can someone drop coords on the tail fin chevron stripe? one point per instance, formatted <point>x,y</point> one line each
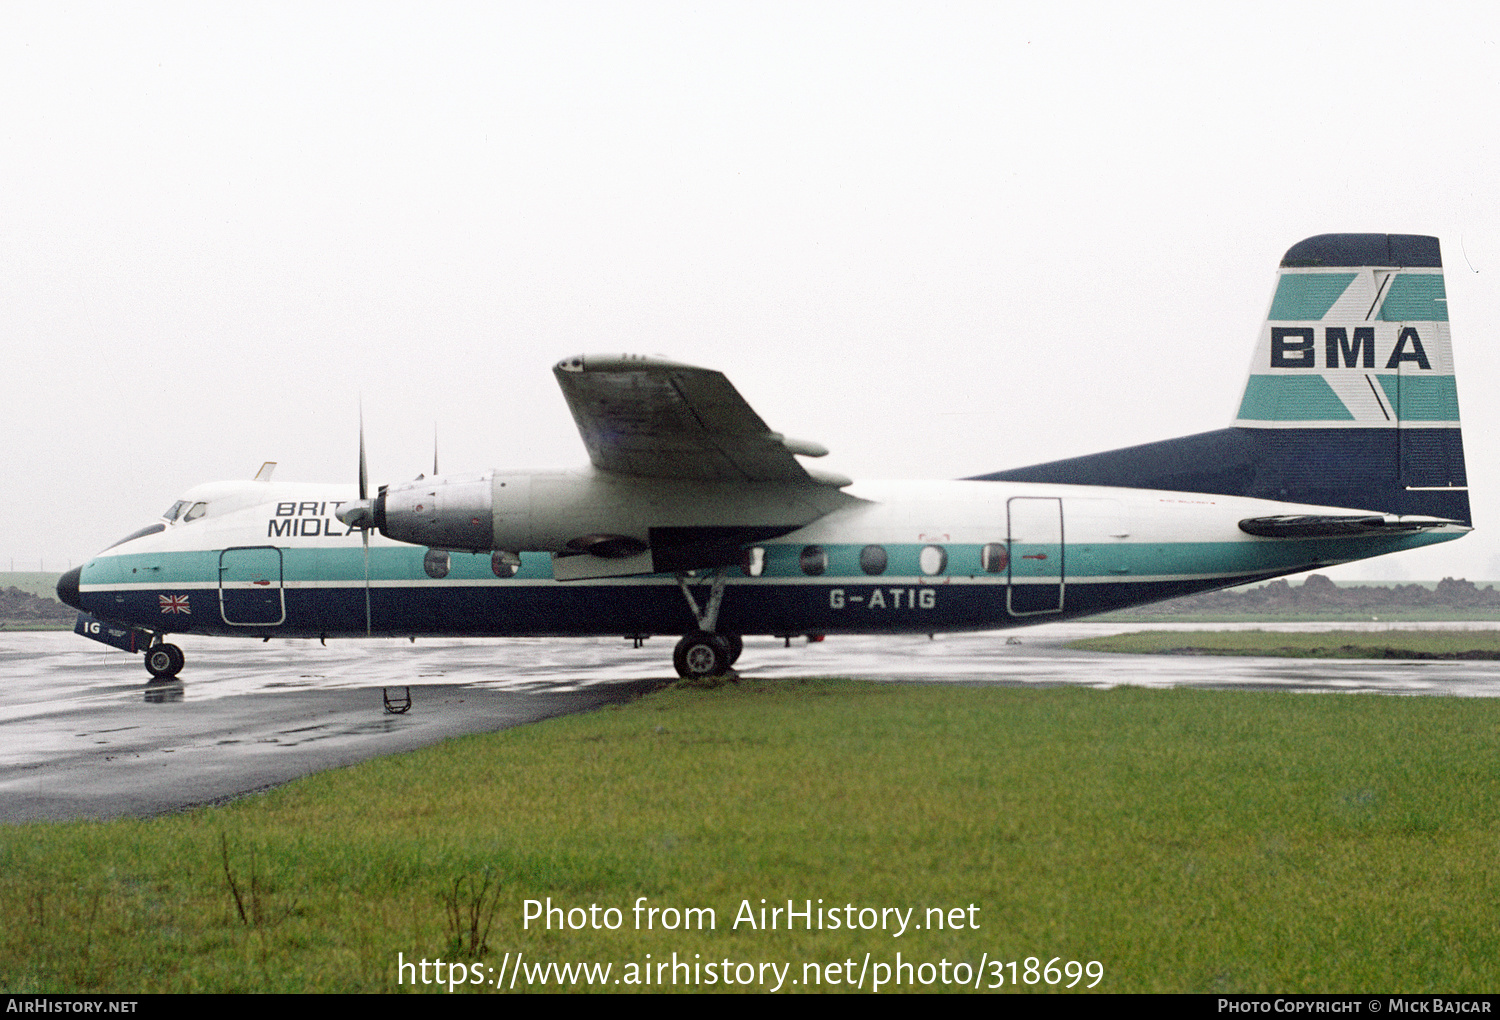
<point>1308,295</point>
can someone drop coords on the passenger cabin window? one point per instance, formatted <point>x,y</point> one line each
<point>994,557</point>
<point>754,561</point>
<point>435,563</point>
<point>814,560</point>
<point>873,560</point>
<point>934,560</point>
<point>505,563</point>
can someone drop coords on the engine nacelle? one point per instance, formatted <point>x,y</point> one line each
<point>547,512</point>
<point>452,512</point>
<point>596,514</point>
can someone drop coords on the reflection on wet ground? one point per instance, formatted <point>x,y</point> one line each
<point>83,735</point>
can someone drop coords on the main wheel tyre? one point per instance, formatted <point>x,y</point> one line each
<point>164,661</point>
<point>736,646</point>
<point>701,654</point>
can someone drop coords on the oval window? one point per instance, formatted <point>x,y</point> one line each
<point>872,559</point>
<point>753,562</point>
<point>813,560</point>
<point>435,563</point>
<point>934,559</point>
<point>504,563</point>
<point>994,557</point>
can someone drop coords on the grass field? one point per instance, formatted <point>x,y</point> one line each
<point>1332,644</point>
<point>1185,840</point>
<point>33,582</point>
<point>1388,614</point>
<point>37,583</point>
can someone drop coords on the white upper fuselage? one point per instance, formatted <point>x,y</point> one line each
<point>1065,549</point>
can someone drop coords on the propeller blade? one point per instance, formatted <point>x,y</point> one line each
<point>365,535</point>
<point>364,474</point>
<point>434,450</point>
<point>361,517</point>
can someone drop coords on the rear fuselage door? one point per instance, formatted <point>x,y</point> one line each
<point>1036,556</point>
<point>250,593</point>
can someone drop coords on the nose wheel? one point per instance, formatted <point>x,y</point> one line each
<point>163,661</point>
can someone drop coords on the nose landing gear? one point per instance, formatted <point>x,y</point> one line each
<point>164,661</point>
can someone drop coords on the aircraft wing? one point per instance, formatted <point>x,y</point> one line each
<point>661,419</point>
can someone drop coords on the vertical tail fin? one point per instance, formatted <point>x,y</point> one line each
<point>1357,337</point>
<point>1355,365</point>
<point>1351,400</point>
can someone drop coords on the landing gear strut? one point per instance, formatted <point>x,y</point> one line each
<point>164,661</point>
<point>705,653</point>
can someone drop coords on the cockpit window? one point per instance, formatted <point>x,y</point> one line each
<point>173,511</point>
<point>149,529</point>
<point>194,512</point>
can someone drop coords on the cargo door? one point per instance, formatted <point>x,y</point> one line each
<point>1037,572</point>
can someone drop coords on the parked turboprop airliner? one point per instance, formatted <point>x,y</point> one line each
<point>695,519</point>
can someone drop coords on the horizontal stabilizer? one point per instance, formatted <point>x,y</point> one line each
<point>1339,525</point>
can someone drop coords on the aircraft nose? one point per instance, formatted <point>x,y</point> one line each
<point>67,588</point>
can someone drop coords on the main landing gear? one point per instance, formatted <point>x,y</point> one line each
<point>164,661</point>
<point>703,652</point>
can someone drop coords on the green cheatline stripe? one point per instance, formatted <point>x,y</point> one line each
<point>1080,560</point>
<point>1415,297</point>
<point>1291,398</point>
<point>1304,296</point>
<point>1422,397</point>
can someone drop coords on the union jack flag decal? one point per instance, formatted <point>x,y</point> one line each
<point>175,604</point>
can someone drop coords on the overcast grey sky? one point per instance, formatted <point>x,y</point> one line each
<point>941,239</point>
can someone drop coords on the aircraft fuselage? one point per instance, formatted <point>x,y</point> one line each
<point>898,557</point>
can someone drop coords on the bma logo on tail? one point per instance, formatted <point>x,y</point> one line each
<point>1294,347</point>
<point>1362,346</point>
